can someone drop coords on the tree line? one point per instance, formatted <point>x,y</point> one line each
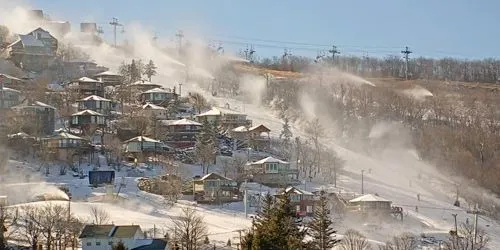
<point>449,69</point>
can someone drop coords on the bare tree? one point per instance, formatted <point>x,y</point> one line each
<point>315,131</point>
<point>198,101</point>
<point>354,240</point>
<point>30,230</point>
<point>99,215</point>
<point>234,168</point>
<point>189,230</point>
<point>8,218</point>
<point>464,240</point>
<point>405,241</point>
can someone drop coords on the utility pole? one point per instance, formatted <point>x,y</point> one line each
<point>476,212</point>
<point>286,55</point>
<point>155,38</point>
<point>180,89</point>
<point>115,23</point>
<point>334,51</point>
<point>456,227</point>
<point>362,182</point>
<point>2,96</point>
<point>180,36</point>
<point>407,53</point>
<point>245,199</point>
<point>100,31</point>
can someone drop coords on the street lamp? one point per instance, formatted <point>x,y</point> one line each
<point>362,182</point>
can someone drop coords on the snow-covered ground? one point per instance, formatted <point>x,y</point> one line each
<point>395,174</point>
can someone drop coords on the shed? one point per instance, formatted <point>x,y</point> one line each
<point>101,177</point>
<point>370,202</point>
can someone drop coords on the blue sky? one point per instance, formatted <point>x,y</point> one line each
<point>437,28</point>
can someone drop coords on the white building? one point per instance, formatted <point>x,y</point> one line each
<point>103,237</point>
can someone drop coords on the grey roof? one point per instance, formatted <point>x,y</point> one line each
<point>96,231</point>
<point>31,41</point>
<point>156,244</point>
<point>107,231</point>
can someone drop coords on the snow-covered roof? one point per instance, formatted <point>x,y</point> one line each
<point>219,111</point>
<point>157,90</point>
<point>142,82</point>
<point>269,159</point>
<point>245,129</point>
<point>86,79</point>
<point>108,73</point>
<point>9,90</point>
<point>240,129</point>
<point>11,77</point>
<point>41,104</point>
<point>183,122</point>
<point>297,191</point>
<point>35,104</point>
<point>214,176</point>
<point>67,135</point>
<point>369,197</point>
<point>152,106</point>
<point>258,126</point>
<point>95,98</point>
<point>142,139</point>
<point>87,112</point>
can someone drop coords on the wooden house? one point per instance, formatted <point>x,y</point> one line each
<point>158,96</point>
<point>109,78</point>
<point>9,97</point>
<point>303,201</point>
<point>87,86</point>
<point>42,115</point>
<point>9,81</point>
<point>272,172</point>
<point>215,189</point>
<point>104,237</point>
<point>142,86</point>
<point>224,117</point>
<point>151,110</point>
<point>96,103</point>
<point>181,133</point>
<point>64,145</point>
<point>140,147</point>
<point>370,203</point>
<point>255,137</point>
<point>34,51</point>
<point>87,118</point>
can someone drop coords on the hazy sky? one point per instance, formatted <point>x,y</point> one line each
<point>438,28</point>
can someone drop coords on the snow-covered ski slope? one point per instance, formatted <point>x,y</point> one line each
<point>395,174</point>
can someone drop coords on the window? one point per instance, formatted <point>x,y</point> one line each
<point>89,244</point>
<point>309,209</point>
<point>97,243</point>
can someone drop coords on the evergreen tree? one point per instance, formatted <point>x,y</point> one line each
<point>119,246</point>
<point>275,227</point>
<point>135,71</point>
<point>206,241</point>
<point>150,69</point>
<point>286,138</point>
<point>320,228</point>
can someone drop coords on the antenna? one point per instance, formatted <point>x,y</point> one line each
<point>115,23</point>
